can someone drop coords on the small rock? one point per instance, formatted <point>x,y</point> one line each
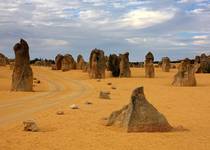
<point>34,78</point>
<point>98,80</point>
<point>88,103</point>
<point>60,113</point>
<point>114,88</point>
<point>74,106</point>
<point>104,95</point>
<point>38,81</point>
<point>30,125</point>
<point>109,83</point>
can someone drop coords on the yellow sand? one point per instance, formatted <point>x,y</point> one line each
<point>82,129</point>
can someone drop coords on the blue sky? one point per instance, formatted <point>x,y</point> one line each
<point>174,28</point>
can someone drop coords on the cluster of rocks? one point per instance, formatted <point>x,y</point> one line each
<point>185,75</point>
<point>119,65</point>
<point>202,63</point>
<point>43,63</point>
<point>66,62</point>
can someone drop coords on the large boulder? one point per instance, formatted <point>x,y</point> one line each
<point>22,77</point>
<point>114,65</point>
<point>68,63</point>
<point>124,65</point>
<point>58,61</point>
<point>185,75</point>
<point>166,65</point>
<point>149,67</point>
<point>80,62</point>
<point>97,64</point>
<point>139,116</point>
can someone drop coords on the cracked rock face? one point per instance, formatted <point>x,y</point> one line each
<point>185,75</point>
<point>139,116</point>
<point>22,77</point>
<point>97,64</point>
<point>149,67</point>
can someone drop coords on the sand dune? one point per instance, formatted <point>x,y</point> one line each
<point>83,129</point>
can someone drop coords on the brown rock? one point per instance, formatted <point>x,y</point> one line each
<point>60,112</point>
<point>104,95</point>
<point>185,75</point>
<point>80,62</point>
<point>149,67</point>
<point>114,65</point>
<point>22,77</point>
<point>97,64</point>
<point>166,65</point>
<point>124,65</point>
<point>139,116</point>
<point>58,62</point>
<point>30,125</point>
<point>68,63</point>
<point>3,60</point>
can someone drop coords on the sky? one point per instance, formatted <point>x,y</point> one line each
<point>173,28</point>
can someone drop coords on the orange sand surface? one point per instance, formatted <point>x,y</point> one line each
<point>83,129</point>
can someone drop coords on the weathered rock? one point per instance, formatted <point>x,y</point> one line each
<point>22,77</point>
<point>80,62</point>
<point>124,65</point>
<point>149,67</point>
<point>74,106</point>
<point>204,64</point>
<point>58,61</point>
<point>60,112</point>
<point>185,75</point>
<point>97,64</point>
<point>104,95</point>
<point>88,103</point>
<point>85,67</point>
<point>30,125</point>
<point>114,65</point>
<point>53,67</point>
<point>3,60</point>
<point>113,88</point>
<point>109,83</point>
<point>139,116</point>
<point>68,63</point>
<point>11,66</point>
<point>166,65</point>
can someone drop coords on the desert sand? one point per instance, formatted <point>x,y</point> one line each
<point>83,129</point>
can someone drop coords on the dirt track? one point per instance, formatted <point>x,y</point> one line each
<point>60,89</point>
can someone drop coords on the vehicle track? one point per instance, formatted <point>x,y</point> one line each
<point>57,94</point>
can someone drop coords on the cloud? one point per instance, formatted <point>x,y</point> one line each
<point>168,27</point>
<point>142,18</point>
<point>201,37</point>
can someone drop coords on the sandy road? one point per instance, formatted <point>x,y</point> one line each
<point>60,90</point>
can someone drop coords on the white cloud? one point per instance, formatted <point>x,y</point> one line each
<point>200,37</point>
<point>200,42</point>
<point>54,42</point>
<point>142,18</point>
